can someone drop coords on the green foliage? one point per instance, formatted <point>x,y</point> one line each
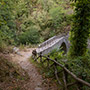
<point>47,16</point>
<point>1,45</point>
<point>57,16</point>
<point>7,25</point>
<point>56,54</point>
<point>80,67</point>
<point>18,16</point>
<point>30,36</point>
<point>80,28</point>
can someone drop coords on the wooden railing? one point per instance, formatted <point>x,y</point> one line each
<point>65,73</point>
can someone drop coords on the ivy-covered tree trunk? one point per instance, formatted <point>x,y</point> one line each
<point>80,28</point>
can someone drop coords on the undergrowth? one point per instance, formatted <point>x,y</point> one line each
<point>79,66</point>
<point>12,77</point>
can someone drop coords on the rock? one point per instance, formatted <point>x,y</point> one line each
<point>38,88</point>
<point>16,50</point>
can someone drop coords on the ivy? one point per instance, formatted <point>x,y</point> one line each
<point>80,28</point>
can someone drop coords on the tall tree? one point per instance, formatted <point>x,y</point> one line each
<point>80,28</point>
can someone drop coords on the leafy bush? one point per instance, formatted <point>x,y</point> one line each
<point>57,15</point>
<point>80,66</point>
<point>56,54</point>
<point>1,45</point>
<point>7,23</point>
<point>30,36</point>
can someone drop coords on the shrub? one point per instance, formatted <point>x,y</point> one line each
<point>80,66</point>
<point>30,36</point>
<point>1,45</point>
<point>57,16</point>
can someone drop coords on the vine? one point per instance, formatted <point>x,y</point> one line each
<point>80,28</point>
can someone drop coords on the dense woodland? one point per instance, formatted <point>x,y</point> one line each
<point>31,22</point>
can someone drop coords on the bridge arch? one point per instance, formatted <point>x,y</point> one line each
<point>63,47</point>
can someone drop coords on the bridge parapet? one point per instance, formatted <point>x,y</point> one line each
<point>47,42</point>
<point>53,43</point>
<point>51,40</point>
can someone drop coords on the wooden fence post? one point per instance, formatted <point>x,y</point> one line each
<point>56,73</point>
<point>80,85</point>
<point>41,57</point>
<point>66,74</point>
<point>64,80</point>
<point>34,54</point>
<point>48,61</point>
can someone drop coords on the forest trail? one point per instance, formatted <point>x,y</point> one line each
<point>36,80</point>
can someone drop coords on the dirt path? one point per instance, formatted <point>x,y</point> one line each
<point>36,80</point>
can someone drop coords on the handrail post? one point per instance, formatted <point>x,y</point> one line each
<point>80,85</point>
<point>66,74</point>
<point>65,77</point>
<point>64,80</point>
<point>34,54</point>
<point>56,73</point>
<point>48,62</point>
<point>41,57</point>
<point>55,60</point>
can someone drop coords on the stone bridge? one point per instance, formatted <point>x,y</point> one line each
<point>55,42</point>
